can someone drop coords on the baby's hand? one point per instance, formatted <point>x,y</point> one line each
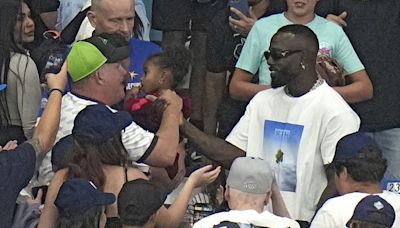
<point>204,175</point>
<point>132,93</point>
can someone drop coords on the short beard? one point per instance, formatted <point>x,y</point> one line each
<point>255,2</point>
<point>280,80</point>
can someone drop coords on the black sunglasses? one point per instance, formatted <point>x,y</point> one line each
<point>279,54</point>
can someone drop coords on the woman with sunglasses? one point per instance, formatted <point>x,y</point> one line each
<point>20,101</point>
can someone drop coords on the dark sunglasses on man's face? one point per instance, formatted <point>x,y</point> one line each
<point>279,54</point>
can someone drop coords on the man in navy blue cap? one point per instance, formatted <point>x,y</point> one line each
<point>372,211</point>
<point>359,169</point>
<point>81,204</point>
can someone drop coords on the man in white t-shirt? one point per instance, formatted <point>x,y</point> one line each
<point>359,168</point>
<point>98,67</point>
<point>295,126</point>
<point>333,42</point>
<point>249,187</point>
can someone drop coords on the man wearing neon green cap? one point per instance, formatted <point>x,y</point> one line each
<point>98,67</point>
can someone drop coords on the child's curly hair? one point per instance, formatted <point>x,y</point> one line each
<point>175,58</point>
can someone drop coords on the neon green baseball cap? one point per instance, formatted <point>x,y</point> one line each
<point>89,55</point>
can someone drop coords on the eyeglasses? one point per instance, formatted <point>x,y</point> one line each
<point>279,54</point>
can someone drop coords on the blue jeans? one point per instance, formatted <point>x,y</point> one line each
<point>389,142</point>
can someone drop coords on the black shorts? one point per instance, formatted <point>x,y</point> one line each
<point>183,15</point>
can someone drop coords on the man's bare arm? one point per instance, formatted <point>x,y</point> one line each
<point>241,87</point>
<point>46,131</point>
<point>165,150</point>
<point>330,190</point>
<point>278,205</point>
<point>215,149</point>
<point>359,89</point>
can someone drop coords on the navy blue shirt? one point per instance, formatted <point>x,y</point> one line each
<point>16,169</point>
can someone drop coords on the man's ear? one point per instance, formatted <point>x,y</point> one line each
<point>99,77</point>
<point>92,18</point>
<point>153,217</point>
<point>166,76</point>
<point>345,173</point>
<point>267,197</point>
<point>226,193</point>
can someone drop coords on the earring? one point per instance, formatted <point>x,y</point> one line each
<point>302,66</point>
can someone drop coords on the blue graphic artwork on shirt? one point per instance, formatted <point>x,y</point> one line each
<point>281,146</point>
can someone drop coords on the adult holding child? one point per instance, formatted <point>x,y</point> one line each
<point>99,70</point>
<point>98,155</point>
<point>162,71</point>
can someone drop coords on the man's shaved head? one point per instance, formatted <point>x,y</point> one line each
<point>113,16</point>
<point>302,34</point>
<point>96,4</point>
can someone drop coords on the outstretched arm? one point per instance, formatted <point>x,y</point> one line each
<point>214,148</point>
<point>330,189</point>
<point>173,216</point>
<point>47,128</point>
<point>278,205</point>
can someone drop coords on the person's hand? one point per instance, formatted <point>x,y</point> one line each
<point>59,80</point>
<point>10,145</point>
<point>219,196</point>
<point>37,200</point>
<point>244,24</point>
<point>132,93</point>
<point>204,175</point>
<point>171,99</point>
<point>340,20</point>
<point>330,70</point>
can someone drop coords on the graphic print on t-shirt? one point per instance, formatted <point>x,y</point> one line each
<point>325,49</point>
<point>281,147</point>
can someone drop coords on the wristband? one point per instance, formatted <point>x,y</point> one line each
<point>56,89</point>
